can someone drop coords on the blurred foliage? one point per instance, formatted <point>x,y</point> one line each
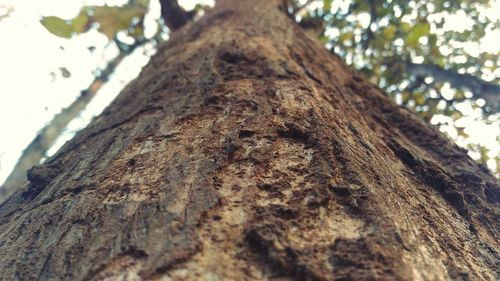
<point>379,38</point>
<point>108,19</point>
<point>382,38</point>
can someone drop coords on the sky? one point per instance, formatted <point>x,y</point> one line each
<point>33,89</point>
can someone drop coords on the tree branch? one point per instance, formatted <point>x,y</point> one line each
<point>174,15</point>
<point>373,18</point>
<point>480,88</point>
<point>46,137</point>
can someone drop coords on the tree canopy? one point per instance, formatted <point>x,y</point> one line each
<point>432,57</point>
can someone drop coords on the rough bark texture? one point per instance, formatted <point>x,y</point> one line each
<point>246,151</point>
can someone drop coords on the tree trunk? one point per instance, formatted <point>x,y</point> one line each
<point>246,151</point>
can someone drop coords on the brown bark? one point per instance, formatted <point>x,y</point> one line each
<point>246,151</point>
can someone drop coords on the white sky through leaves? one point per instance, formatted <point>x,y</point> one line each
<point>33,89</point>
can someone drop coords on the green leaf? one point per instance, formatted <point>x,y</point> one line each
<point>57,26</point>
<point>137,31</point>
<point>405,27</point>
<point>143,3</point>
<point>419,30</point>
<point>346,36</point>
<point>389,32</point>
<point>459,95</point>
<point>419,98</point>
<point>113,19</point>
<point>81,22</point>
<point>405,96</point>
<point>327,5</point>
<point>484,153</point>
<point>461,132</point>
<point>456,115</point>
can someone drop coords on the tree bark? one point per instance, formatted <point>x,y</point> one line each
<point>246,151</point>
